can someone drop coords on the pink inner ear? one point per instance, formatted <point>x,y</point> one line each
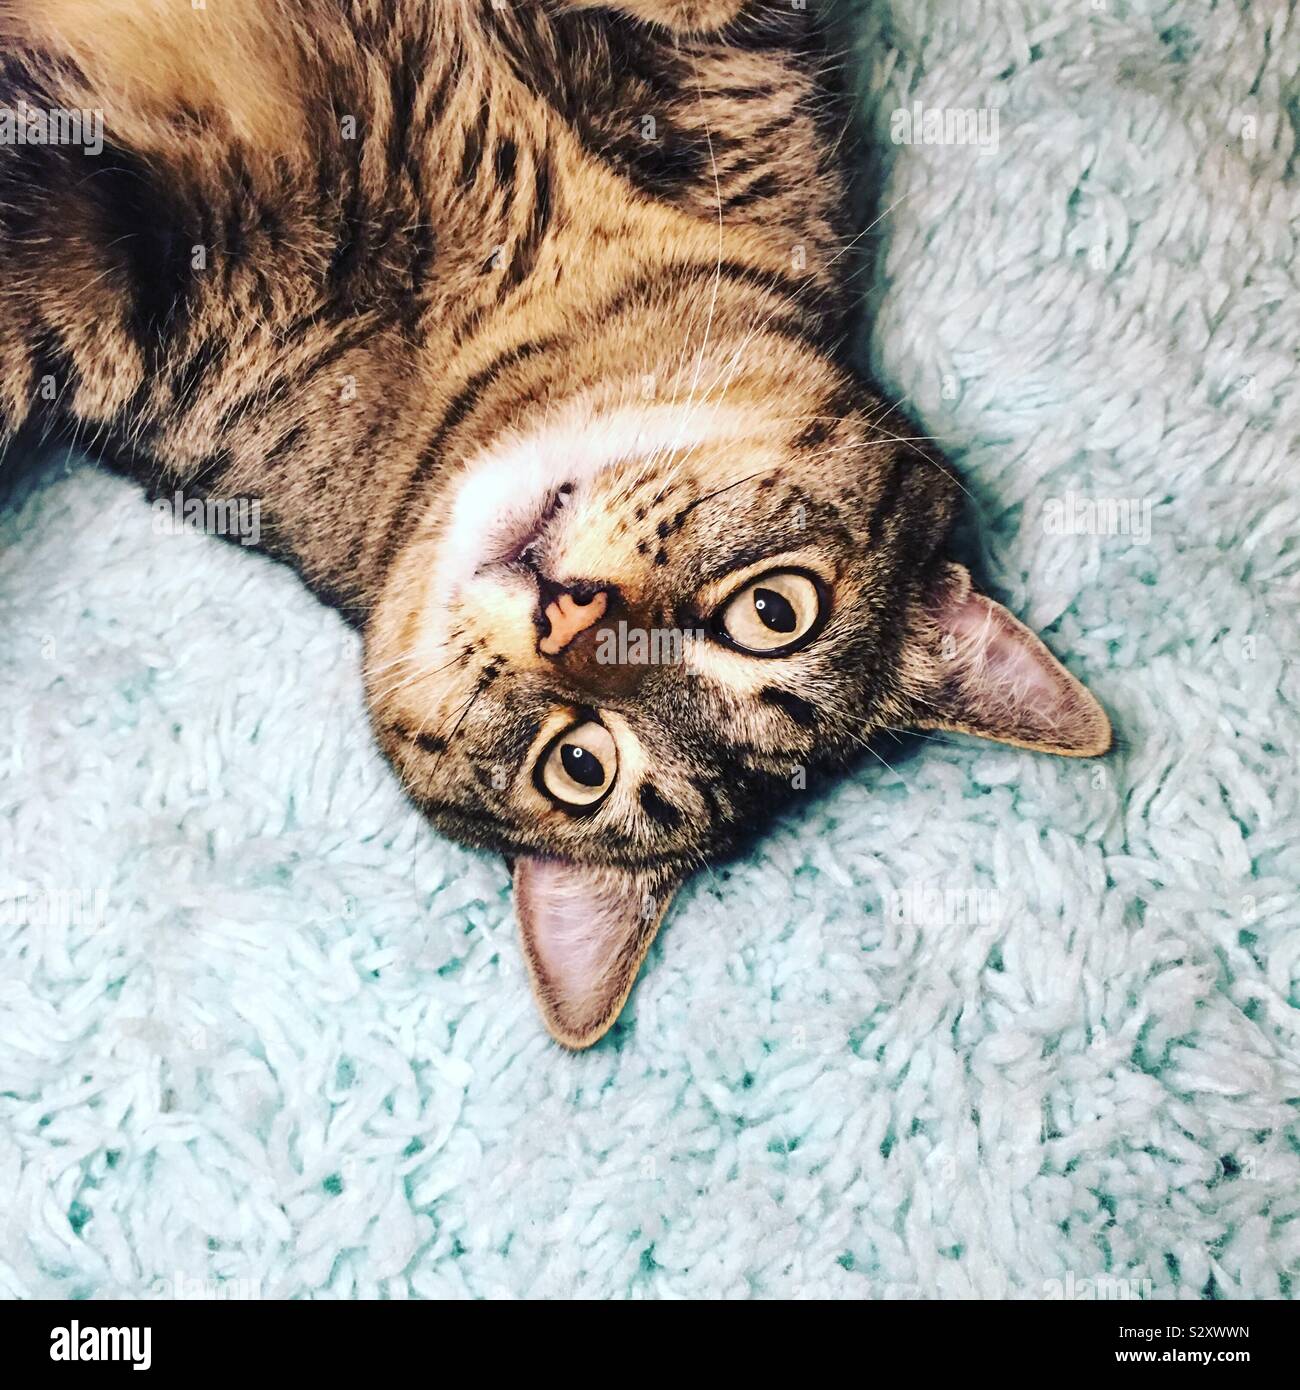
<point>1002,659</point>
<point>998,680</point>
<point>578,921</point>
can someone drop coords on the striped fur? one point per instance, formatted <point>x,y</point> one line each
<point>360,259</point>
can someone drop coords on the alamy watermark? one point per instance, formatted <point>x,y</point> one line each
<point>181,1288</point>
<point>945,125</point>
<point>1078,515</point>
<point>929,905</point>
<point>1102,1288</point>
<point>639,646</point>
<point>238,517</point>
<point>58,125</point>
<point>53,907</point>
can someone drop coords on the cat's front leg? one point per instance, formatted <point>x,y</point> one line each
<point>681,16</point>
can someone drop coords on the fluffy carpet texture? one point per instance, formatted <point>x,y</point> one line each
<point>981,1023</point>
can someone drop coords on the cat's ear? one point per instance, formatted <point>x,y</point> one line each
<point>585,932</point>
<point>970,667</point>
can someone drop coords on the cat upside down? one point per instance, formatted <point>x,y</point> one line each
<point>523,326</point>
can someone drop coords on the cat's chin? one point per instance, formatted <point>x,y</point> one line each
<point>517,536</point>
<point>509,491</point>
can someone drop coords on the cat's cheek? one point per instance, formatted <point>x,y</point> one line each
<point>494,611</point>
<point>501,614</point>
<point>591,547</point>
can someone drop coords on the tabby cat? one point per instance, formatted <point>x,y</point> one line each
<point>523,321</point>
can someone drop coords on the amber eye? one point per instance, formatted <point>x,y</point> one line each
<point>579,767</point>
<point>773,614</point>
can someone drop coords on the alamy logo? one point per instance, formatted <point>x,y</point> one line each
<point>945,125</point>
<point>924,905</point>
<point>1077,515</point>
<point>639,646</point>
<point>77,1343</point>
<point>181,1287</point>
<point>53,907</point>
<point>240,517</point>
<point>29,125</point>
<point>1104,1288</point>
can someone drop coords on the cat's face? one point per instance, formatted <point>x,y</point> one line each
<point>628,632</point>
<point>728,587</point>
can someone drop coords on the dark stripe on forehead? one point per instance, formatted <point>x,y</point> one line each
<point>888,501</point>
<point>472,152</point>
<point>507,153</point>
<point>763,186</point>
<point>523,256</point>
<point>290,373</point>
<point>461,404</point>
<point>352,235</point>
<point>403,82</point>
<point>140,224</point>
<point>188,380</point>
<point>803,295</point>
<point>436,101</point>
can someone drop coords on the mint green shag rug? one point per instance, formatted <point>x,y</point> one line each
<point>977,1024</point>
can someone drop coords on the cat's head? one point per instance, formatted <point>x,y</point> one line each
<point>628,627</point>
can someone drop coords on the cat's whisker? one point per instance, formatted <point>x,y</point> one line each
<point>916,733</point>
<point>881,439</point>
<point>761,324</point>
<point>372,671</point>
<point>481,685</point>
<point>720,383</point>
<point>854,241</point>
<point>383,696</point>
<point>904,439</point>
<point>717,492</point>
<point>420,673</point>
<point>869,747</point>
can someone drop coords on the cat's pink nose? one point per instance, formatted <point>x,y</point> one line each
<point>567,618</point>
<point>581,635</point>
